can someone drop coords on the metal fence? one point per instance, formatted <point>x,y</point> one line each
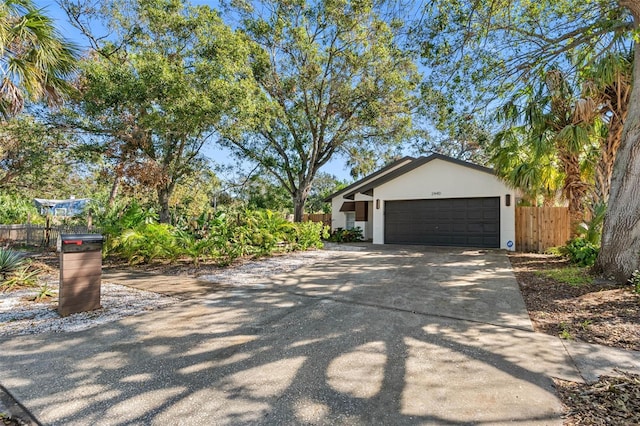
<point>40,235</point>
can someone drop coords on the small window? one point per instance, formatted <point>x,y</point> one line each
<point>351,220</point>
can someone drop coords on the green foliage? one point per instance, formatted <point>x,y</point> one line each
<point>591,231</point>
<point>34,157</point>
<point>565,331</point>
<point>635,281</point>
<point>221,237</point>
<point>145,243</point>
<point>44,292</point>
<point>310,235</point>
<point>174,75</point>
<point>581,252</point>
<point>574,276</point>
<point>10,261</point>
<point>35,58</point>
<point>15,209</point>
<point>25,275</point>
<point>126,214</point>
<point>337,77</point>
<point>346,235</point>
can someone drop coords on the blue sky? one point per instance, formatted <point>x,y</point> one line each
<point>212,150</point>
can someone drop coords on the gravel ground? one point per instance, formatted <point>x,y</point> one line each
<point>255,271</point>
<point>19,314</point>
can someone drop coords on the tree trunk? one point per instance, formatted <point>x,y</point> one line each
<point>299,200</point>
<point>620,247</point>
<point>574,189</point>
<point>115,187</point>
<point>164,193</point>
<point>610,146</point>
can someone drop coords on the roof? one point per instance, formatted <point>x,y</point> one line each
<point>417,162</point>
<point>365,179</point>
<point>73,206</point>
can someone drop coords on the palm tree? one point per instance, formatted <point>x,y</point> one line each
<point>533,172</point>
<point>551,132</point>
<point>608,84</point>
<point>35,60</point>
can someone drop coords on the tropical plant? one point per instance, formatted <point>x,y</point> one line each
<point>44,292</point>
<point>36,60</point>
<point>24,276</point>
<point>591,230</point>
<point>581,252</point>
<point>346,235</point>
<point>310,235</point>
<point>145,243</point>
<point>556,131</point>
<point>10,261</point>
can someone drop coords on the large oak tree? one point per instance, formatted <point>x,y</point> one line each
<point>336,79</point>
<point>159,87</point>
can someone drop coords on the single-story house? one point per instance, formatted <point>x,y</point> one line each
<point>62,208</point>
<point>435,200</point>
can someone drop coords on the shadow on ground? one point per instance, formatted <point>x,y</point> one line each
<point>404,336</point>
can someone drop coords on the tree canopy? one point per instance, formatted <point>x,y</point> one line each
<point>173,77</point>
<point>500,48</point>
<point>335,78</point>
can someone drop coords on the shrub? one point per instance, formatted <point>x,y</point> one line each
<point>264,231</point>
<point>581,252</point>
<point>310,234</point>
<point>10,261</point>
<point>346,235</point>
<point>26,275</point>
<point>14,209</point>
<point>145,243</point>
<point>591,231</point>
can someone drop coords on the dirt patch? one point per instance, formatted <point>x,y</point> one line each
<point>602,312</point>
<point>610,401</point>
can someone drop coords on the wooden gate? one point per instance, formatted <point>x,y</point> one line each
<point>539,228</point>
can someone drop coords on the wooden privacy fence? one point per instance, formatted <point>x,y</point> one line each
<point>39,235</point>
<point>538,228</point>
<point>318,217</point>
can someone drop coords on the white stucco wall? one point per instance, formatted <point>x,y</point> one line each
<point>443,179</point>
<point>338,218</point>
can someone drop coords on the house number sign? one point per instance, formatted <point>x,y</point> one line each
<point>436,193</point>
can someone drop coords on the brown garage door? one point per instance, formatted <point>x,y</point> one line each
<point>461,222</point>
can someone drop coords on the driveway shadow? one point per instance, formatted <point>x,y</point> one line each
<point>322,345</point>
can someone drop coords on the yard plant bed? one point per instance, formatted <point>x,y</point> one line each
<point>610,401</point>
<point>599,312</point>
<point>566,301</point>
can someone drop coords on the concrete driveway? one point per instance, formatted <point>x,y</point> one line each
<point>400,335</point>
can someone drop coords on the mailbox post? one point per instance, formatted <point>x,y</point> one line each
<point>80,273</point>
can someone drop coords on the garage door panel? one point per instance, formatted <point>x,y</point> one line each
<point>471,222</point>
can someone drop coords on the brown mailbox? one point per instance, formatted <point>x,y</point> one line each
<point>80,272</point>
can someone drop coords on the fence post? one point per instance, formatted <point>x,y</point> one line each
<point>47,231</point>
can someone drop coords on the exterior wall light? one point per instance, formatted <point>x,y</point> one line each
<point>507,200</point>
<point>377,204</point>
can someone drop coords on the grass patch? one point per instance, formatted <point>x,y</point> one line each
<point>575,276</point>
